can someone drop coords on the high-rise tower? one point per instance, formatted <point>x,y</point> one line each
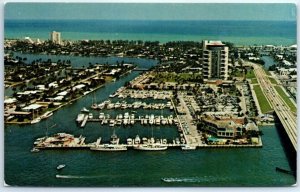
<point>56,37</point>
<point>215,60</point>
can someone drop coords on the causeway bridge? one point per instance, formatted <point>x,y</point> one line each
<point>284,113</point>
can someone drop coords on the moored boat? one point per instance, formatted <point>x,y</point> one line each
<point>188,147</point>
<point>85,110</point>
<point>34,150</point>
<point>95,106</point>
<point>150,147</point>
<point>109,147</point>
<point>46,115</point>
<point>36,120</point>
<point>80,117</point>
<point>60,140</point>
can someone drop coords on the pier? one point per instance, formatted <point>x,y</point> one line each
<point>84,121</point>
<point>133,146</point>
<point>128,119</point>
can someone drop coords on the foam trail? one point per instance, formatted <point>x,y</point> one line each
<point>76,176</point>
<point>185,179</point>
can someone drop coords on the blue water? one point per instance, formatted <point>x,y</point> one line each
<point>238,32</point>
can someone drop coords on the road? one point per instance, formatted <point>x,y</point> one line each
<point>284,113</point>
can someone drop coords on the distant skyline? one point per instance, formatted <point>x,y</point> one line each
<point>150,11</point>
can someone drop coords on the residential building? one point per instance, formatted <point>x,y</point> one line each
<point>215,60</point>
<point>56,37</point>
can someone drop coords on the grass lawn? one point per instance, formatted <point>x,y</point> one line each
<point>285,98</point>
<point>250,74</point>
<point>238,73</point>
<point>262,100</point>
<point>254,81</point>
<point>273,81</point>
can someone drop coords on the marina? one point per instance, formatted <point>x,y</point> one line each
<point>135,105</point>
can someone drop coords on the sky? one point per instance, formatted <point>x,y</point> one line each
<point>146,11</point>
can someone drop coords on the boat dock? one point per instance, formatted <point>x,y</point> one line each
<point>133,146</point>
<point>135,105</point>
<point>126,119</point>
<point>67,141</point>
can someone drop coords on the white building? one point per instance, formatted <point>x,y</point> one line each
<point>56,37</point>
<point>215,60</point>
<point>29,40</point>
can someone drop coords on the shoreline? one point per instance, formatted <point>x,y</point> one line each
<point>161,40</point>
<point>57,108</point>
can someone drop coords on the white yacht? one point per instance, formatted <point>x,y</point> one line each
<point>85,110</point>
<point>36,120</point>
<point>47,114</point>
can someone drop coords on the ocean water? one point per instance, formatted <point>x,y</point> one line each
<point>238,32</point>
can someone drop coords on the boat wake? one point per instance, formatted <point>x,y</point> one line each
<point>77,176</point>
<point>185,180</point>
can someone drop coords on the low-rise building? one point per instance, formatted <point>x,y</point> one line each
<point>223,128</point>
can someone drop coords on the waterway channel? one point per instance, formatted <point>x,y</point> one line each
<point>202,167</point>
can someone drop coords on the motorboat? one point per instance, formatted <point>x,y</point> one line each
<point>188,147</point>
<point>85,110</point>
<point>36,120</point>
<point>137,139</point>
<point>47,114</point>
<point>59,167</point>
<point>34,150</point>
<point>109,147</point>
<point>80,117</point>
<point>150,147</point>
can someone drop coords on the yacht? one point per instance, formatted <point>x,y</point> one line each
<point>188,147</point>
<point>137,139</point>
<point>34,150</point>
<point>85,110</point>
<point>114,139</point>
<point>151,146</point>
<point>36,120</point>
<point>80,117</point>
<point>113,146</point>
<point>112,123</point>
<point>109,147</point>
<point>101,105</point>
<point>46,115</point>
<point>101,116</point>
<point>163,121</point>
<point>129,141</point>
<point>95,106</point>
